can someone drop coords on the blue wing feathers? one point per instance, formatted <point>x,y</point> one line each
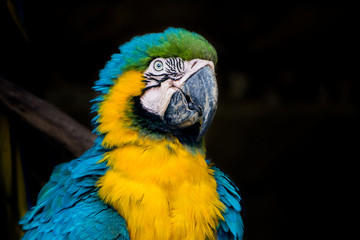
<point>232,227</point>
<point>68,206</point>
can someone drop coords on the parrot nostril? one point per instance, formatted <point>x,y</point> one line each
<point>192,105</point>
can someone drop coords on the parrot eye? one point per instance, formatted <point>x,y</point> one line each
<point>158,65</point>
<point>162,69</point>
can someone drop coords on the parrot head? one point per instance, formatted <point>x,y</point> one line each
<point>160,85</point>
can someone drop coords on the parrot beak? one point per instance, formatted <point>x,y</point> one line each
<point>196,100</point>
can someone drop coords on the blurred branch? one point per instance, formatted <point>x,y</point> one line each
<point>46,118</point>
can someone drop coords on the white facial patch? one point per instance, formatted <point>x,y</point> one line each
<point>164,77</point>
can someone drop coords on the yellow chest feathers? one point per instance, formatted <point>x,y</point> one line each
<point>162,191</point>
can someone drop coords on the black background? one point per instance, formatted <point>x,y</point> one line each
<point>287,127</point>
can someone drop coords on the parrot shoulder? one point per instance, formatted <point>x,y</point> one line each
<point>232,227</point>
<point>68,206</point>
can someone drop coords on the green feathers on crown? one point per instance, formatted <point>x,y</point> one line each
<point>141,50</point>
<point>174,42</point>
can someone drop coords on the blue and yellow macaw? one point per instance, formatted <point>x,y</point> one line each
<point>146,176</point>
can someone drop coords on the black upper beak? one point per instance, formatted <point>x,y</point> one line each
<point>195,101</point>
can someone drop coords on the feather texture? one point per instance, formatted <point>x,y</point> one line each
<point>69,207</point>
<point>162,193</point>
<point>232,227</point>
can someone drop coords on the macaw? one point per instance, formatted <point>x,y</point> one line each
<point>146,176</point>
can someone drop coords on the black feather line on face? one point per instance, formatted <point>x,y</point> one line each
<point>153,125</point>
<point>151,76</point>
<point>174,65</point>
<point>150,87</point>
